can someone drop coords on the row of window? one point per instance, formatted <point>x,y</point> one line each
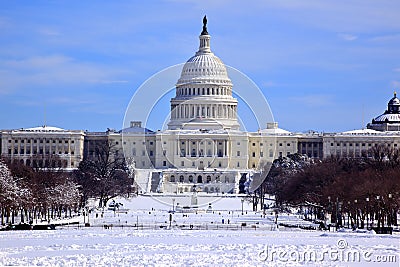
<point>359,144</point>
<point>35,152</point>
<point>203,91</point>
<point>41,141</point>
<point>199,179</point>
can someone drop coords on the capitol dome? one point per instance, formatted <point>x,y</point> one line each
<point>203,97</point>
<point>204,68</point>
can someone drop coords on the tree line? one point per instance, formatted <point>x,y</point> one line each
<point>33,193</point>
<point>359,191</point>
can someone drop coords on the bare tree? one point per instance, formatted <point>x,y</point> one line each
<point>104,176</point>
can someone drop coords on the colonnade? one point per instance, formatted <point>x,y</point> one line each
<point>188,111</point>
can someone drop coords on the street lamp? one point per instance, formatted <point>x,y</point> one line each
<point>355,202</point>
<point>173,204</point>
<point>242,200</point>
<point>390,210</point>
<point>367,200</point>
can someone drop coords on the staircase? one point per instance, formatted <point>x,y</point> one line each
<point>155,181</point>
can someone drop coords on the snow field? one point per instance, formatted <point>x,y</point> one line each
<point>159,245</point>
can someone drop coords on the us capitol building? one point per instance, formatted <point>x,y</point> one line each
<point>203,149</point>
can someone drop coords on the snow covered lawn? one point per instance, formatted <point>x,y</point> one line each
<point>140,236</point>
<point>129,247</point>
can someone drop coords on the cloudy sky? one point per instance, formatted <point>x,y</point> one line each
<point>322,65</point>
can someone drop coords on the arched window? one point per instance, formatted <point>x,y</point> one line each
<point>190,178</point>
<point>181,179</point>
<point>199,179</point>
<point>172,179</point>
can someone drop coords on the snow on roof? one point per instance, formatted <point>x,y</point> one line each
<point>277,131</point>
<point>362,132</point>
<point>44,129</point>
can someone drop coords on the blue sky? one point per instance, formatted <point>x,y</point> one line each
<point>322,65</point>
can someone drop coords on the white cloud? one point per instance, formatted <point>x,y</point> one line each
<point>347,36</point>
<point>313,100</point>
<point>395,84</point>
<point>56,70</point>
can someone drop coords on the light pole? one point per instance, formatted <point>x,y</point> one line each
<point>173,204</point>
<point>367,200</point>
<point>390,210</point>
<point>355,206</point>
<point>378,212</point>
<point>242,200</point>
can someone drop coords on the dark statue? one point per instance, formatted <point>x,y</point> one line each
<point>204,32</point>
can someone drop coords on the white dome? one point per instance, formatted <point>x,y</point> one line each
<point>203,97</point>
<point>388,118</point>
<point>204,68</point>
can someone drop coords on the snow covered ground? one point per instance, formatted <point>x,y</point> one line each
<point>143,237</point>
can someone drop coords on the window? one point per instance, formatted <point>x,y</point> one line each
<point>238,164</point>
<point>151,153</point>
<point>182,163</point>
<point>151,143</point>
<point>238,143</point>
<point>280,144</point>
<point>288,144</point>
<point>172,179</point>
<point>261,154</point>
<point>254,144</point>
<point>165,164</point>
<point>254,154</point>
<point>238,153</point>
<point>181,178</point>
<point>261,144</point>
<point>331,144</point>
